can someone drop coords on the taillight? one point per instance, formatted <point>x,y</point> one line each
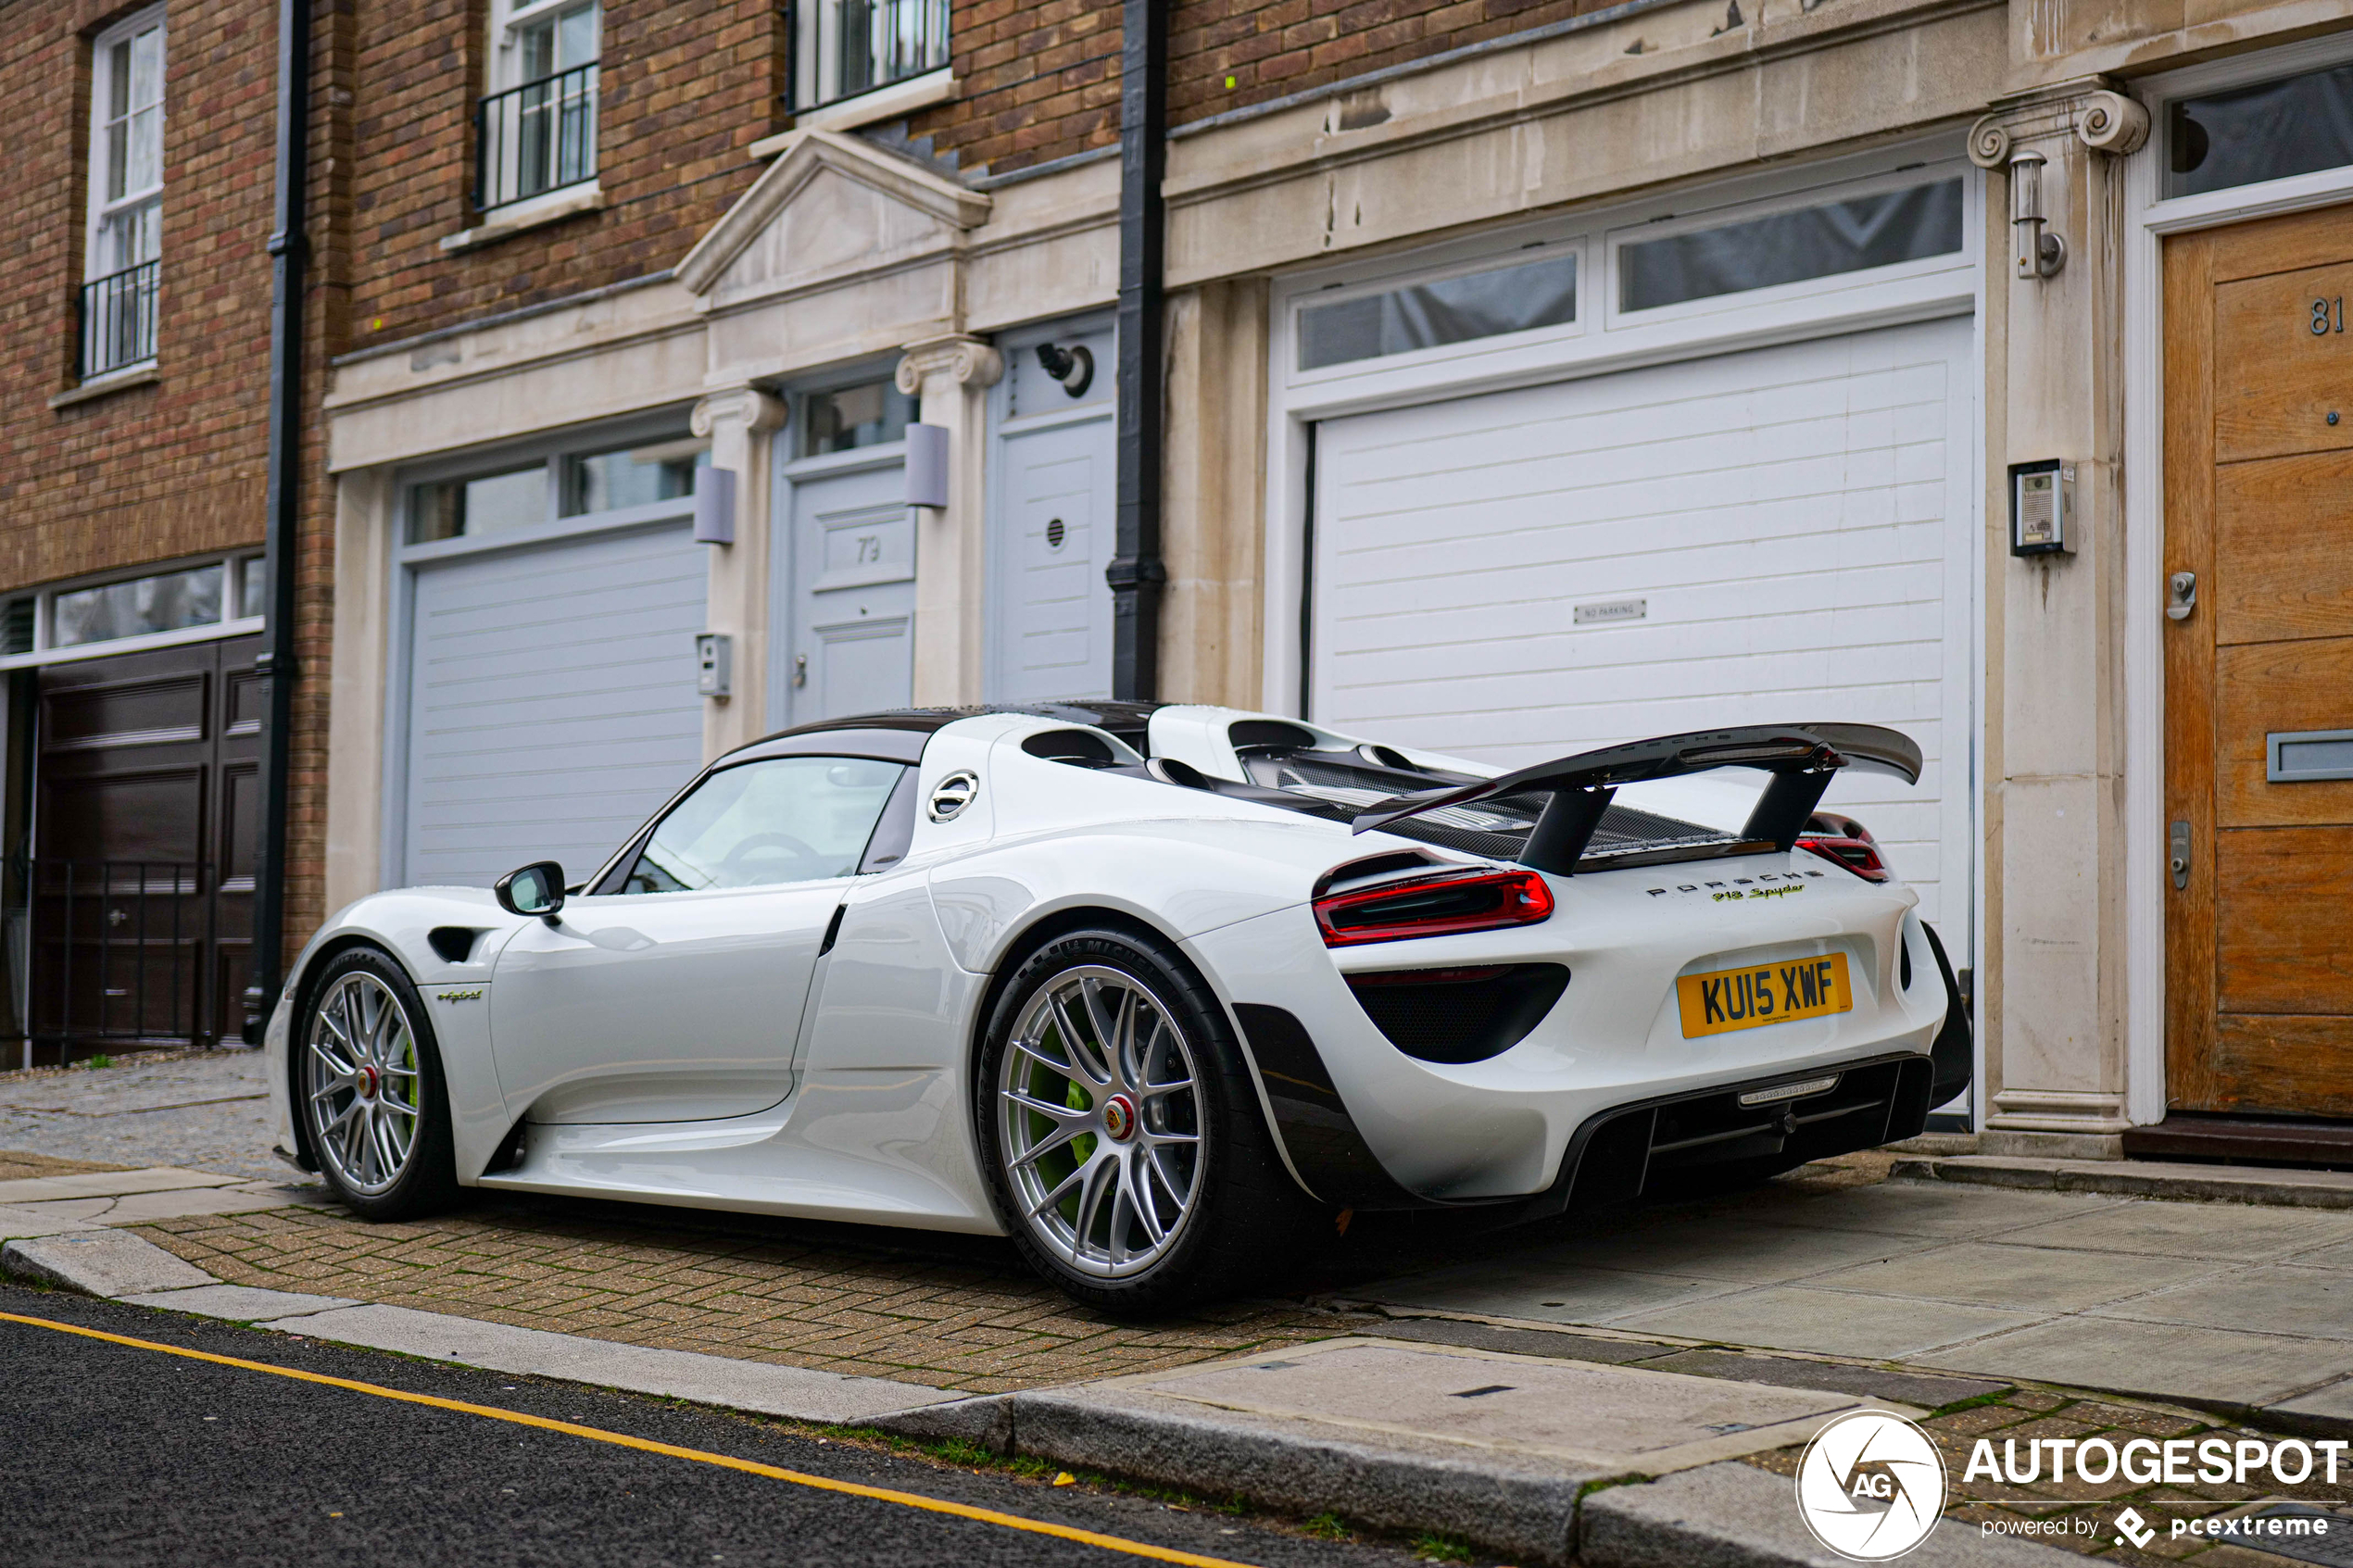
<point>1433,906</point>
<point>1843,840</point>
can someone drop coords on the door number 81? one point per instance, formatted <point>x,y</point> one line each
<point>2328,315</point>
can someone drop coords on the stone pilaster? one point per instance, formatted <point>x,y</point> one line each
<point>2053,988</point>
<point>951,376</point>
<point>739,421</point>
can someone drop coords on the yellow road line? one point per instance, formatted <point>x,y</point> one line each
<point>646,1445</point>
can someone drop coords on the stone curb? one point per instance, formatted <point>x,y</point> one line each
<point>2134,1178</point>
<point>119,1266</point>
<point>1734,1515</point>
<point>100,1263</point>
<point>1527,1513</point>
<point>1723,1515</point>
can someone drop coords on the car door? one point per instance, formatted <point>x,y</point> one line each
<point>678,996</point>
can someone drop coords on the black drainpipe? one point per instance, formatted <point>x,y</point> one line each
<point>1136,572</point>
<point>283,500</point>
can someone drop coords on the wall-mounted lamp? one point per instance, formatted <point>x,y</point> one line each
<point>2038,252</point>
<point>1075,368</point>
<point>715,507</point>
<point>926,469</point>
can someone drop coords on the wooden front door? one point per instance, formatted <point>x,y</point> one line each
<point>2259,446</point>
<point>147,809</point>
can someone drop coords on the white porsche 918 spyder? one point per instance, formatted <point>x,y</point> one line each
<point>1147,988</point>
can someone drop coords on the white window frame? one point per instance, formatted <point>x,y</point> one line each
<point>2149,217</point>
<point>817,36</point>
<point>99,209</point>
<point>508,21</point>
<point>237,619</point>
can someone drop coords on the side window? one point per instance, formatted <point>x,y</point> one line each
<point>787,819</point>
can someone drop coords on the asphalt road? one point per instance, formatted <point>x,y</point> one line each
<point>120,1455</point>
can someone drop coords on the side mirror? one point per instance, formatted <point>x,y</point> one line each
<point>536,889</point>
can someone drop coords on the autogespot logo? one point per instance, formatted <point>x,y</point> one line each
<point>1870,1486</point>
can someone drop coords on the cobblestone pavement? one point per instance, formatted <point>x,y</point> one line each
<point>2081,1516</point>
<point>947,1311</point>
<point>206,1111</point>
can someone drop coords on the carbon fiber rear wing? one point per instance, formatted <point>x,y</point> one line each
<point>1801,757</point>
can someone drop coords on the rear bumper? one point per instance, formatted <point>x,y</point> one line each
<point>1382,1128</point>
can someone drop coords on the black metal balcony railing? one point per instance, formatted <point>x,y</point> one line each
<point>880,41</point>
<point>118,320</point>
<point>535,138</point>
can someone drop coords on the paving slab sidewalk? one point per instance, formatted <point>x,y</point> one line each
<point>2228,1306</point>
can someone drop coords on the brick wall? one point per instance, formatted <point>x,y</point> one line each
<point>1037,83</point>
<point>174,468</point>
<point>1228,54</point>
<point>1041,81</point>
<point>685,90</point>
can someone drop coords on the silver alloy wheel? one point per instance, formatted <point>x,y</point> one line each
<point>363,1088</point>
<point>1101,1116</point>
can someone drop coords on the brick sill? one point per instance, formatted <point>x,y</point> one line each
<point>101,386</point>
<point>537,212</point>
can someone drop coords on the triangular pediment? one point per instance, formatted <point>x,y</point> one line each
<point>831,206</point>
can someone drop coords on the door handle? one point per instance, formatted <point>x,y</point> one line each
<point>801,669</point>
<point>2177,854</point>
<point>2180,596</point>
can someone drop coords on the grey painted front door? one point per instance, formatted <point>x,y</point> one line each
<point>551,701</point>
<point>849,543</point>
<point>1052,537</point>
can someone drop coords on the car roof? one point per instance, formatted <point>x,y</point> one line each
<point>898,735</point>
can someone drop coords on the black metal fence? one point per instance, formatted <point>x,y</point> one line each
<point>114,953</point>
<point>535,138</point>
<point>118,320</point>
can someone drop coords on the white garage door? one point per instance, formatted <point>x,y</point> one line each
<point>1769,536</point>
<point>551,701</point>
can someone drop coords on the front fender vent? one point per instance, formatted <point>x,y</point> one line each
<point>1459,1015</point>
<point>451,943</point>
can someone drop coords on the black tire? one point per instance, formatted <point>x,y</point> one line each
<point>397,1080</point>
<point>1246,1216</point>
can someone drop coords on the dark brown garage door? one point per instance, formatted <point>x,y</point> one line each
<point>147,775</point>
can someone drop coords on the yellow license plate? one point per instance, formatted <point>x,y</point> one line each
<point>1768,993</point>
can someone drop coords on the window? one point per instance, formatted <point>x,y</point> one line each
<point>633,476</point>
<point>516,495</point>
<point>449,508</point>
<point>869,414</point>
<point>1788,247</point>
<point>787,818</point>
<point>1507,299</point>
<point>846,48</point>
<point>2268,131</point>
<point>537,132</point>
<point>190,597</point>
<point>125,238</point>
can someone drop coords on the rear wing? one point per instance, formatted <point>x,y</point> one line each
<point>1801,757</point>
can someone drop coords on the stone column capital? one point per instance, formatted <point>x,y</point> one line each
<point>755,411</point>
<point>2088,110</point>
<point>973,361</point>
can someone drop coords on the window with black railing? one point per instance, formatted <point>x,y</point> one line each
<point>118,320</point>
<point>535,138</point>
<point>846,47</point>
